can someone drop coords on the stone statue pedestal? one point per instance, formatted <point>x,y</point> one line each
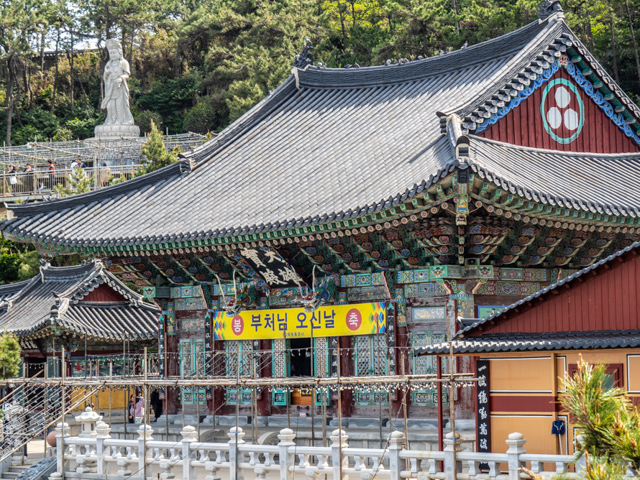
<point>116,132</point>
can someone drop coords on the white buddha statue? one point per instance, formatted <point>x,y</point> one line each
<point>119,121</point>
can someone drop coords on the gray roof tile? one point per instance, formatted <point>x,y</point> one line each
<point>345,142</point>
<point>25,307</point>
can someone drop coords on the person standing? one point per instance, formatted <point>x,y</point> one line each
<point>52,173</point>
<point>132,409</point>
<point>30,177</point>
<point>156,404</point>
<point>140,409</point>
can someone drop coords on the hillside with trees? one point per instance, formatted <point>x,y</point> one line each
<point>198,65</point>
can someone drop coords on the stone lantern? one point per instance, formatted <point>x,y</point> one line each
<point>88,420</point>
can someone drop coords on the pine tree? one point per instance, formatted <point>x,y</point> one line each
<point>77,182</point>
<point>156,153</point>
<point>9,355</point>
<point>609,423</point>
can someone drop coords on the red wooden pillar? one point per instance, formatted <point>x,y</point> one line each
<point>219,370</point>
<point>401,354</point>
<point>346,370</point>
<point>440,406</point>
<point>172,396</point>
<point>264,399</point>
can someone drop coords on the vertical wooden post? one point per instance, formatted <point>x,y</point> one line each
<point>440,406</point>
<point>145,415</point>
<point>554,372</point>
<point>64,407</point>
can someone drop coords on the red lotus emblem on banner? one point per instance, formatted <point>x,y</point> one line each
<point>354,319</point>
<point>237,325</point>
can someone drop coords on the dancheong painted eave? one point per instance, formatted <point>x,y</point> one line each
<point>341,148</point>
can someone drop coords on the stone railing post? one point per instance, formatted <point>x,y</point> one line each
<point>338,460</point>
<point>61,446</point>
<point>102,433</point>
<point>451,445</point>
<point>516,443</point>
<point>236,436</point>
<point>189,435</point>
<point>287,458</point>
<point>144,436</point>
<point>396,443</point>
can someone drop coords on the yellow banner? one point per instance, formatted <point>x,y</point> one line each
<point>329,321</point>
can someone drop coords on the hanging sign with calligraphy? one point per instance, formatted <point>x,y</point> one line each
<point>482,420</point>
<point>274,269</point>
<point>335,320</point>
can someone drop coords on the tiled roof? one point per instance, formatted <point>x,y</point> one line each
<point>523,342</point>
<point>566,179</point>
<point>54,297</point>
<point>326,145</point>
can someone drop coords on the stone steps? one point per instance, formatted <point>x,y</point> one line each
<point>14,471</point>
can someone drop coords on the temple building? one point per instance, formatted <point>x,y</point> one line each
<point>101,323</point>
<point>591,315</point>
<point>365,210</point>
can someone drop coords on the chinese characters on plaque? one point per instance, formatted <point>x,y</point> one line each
<point>274,269</point>
<point>482,420</point>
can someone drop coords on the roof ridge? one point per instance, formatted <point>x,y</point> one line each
<point>375,75</point>
<point>476,114</point>
<point>11,286</point>
<point>521,72</point>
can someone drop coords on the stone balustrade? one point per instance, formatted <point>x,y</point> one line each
<point>95,455</point>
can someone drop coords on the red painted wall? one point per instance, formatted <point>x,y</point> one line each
<point>104,293</point>
<point>524,125</point>
<point>607,300</point>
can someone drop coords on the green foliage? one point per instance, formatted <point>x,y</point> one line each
<point>145,118</point>
<point>77,182</point>
<point>63,134</point>
<point>17,262</point>
<point>28,265</point>
<point>200,65</point>
<point>155,151</point>
<point>9,355</point>
<point>608,422</point>
<point>170,98</point>
<point>83,128</point>
<point>200,119</point>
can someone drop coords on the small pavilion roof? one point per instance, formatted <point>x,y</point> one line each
<point>55,297</point>
<point>336,144</point>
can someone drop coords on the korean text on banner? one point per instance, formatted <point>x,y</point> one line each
<point>329,321</point>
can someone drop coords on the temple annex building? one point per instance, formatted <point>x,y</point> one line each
<point>366,210</point>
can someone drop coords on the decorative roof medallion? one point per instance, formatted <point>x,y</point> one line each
<point>562,110</point>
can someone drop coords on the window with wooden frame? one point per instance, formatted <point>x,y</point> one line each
<point>613,375</point>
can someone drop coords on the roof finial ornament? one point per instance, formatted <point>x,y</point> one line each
<point>305,57</point>
<point>302,60</point>
<point>548,8</point>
